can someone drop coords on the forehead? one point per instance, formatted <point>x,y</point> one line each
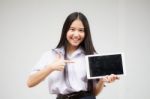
<point>77,24</point>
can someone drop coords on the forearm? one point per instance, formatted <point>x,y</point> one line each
<point>99,87</point>
<point>106,79</point>
<point>39,76</point>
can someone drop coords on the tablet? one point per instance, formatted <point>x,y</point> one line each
<point>101,65</point>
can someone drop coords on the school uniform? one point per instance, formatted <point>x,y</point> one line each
<point>75,85</point>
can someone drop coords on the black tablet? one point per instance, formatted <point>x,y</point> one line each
<point>101,65</point>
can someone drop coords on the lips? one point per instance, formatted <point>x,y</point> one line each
<point>76,40</point>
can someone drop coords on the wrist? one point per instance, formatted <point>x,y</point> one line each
<point>50,67</point>
<point>101,82</point>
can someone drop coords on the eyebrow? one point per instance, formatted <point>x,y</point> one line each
<point>79,28</point>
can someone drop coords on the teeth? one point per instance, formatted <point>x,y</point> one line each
<point>75,40</point>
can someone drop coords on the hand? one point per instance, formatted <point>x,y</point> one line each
<point>59,63</point>
<point>110,78</point>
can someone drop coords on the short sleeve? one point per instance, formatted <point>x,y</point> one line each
<point>45,59</point>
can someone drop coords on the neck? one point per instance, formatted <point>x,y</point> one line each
<point>71,49</point>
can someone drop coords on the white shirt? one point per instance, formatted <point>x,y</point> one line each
<point>76,71</point>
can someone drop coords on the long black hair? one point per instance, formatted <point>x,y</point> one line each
<point>86,44</point>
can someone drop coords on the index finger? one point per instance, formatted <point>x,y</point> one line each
<point>68,61</point>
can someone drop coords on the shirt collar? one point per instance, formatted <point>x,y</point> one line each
<point>59,51</point>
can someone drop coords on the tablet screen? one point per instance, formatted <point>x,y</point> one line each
<point>101,65</point>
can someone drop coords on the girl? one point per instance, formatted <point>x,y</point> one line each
<point>64,66</point>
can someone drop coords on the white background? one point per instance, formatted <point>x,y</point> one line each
<point>28,28</point>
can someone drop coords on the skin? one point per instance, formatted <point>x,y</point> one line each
<point>75,36</point>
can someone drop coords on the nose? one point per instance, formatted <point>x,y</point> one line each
<point>76,33</point>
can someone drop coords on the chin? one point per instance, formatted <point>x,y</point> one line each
<point>75,45</point>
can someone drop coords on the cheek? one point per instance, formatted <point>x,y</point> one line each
<point>82,35</point>
<point>68,35</point>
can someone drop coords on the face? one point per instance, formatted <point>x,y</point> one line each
<point>75,34</point>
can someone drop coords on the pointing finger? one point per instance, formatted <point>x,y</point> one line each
<point>68,61</point>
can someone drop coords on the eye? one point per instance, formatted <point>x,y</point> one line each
<point>81,30</point>
<point>72,29</point>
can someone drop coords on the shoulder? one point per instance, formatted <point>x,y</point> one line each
<point>58,51</point>
<point>48,54</point>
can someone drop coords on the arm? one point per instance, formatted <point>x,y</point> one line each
<point>98,87</point>
<point>57,65</point>
<point>106,79</point>
<point>39,76</point>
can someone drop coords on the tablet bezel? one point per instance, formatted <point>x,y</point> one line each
<point>88,67</point>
